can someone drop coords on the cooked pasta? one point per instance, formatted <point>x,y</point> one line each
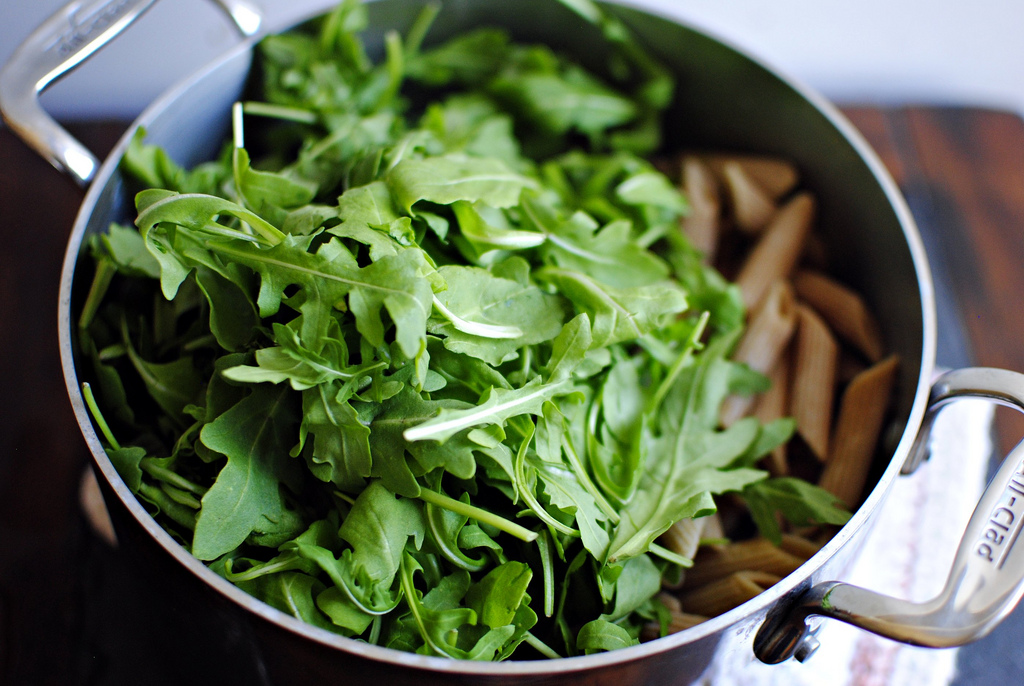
<point>752,207</point>
<point>726,593</point>
<point>857,429</point>
<point>683,537</point>
<point>767,335</point>
<point>755,554</point>
<point>773,404</point>
<point>776,253</point>
<point>843,309</point>
<point>814,376</point>
<point>702,224</point>
<point>776,176</point>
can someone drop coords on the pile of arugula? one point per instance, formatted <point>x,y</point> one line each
<point>439,373</point>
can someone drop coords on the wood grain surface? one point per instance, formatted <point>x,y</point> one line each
<point>961,169</point>
<point>962,172</point>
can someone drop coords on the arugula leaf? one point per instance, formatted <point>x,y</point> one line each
<point>800,502</point>
<point>617,315</point>
<point>490,317</point>
<point>609,255</point>
<point>600,635</point>
<point>453,177</point>
<point>497,406</point>
<point>688,460</point>
<point>254,436</point>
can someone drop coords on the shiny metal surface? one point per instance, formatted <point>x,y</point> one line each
<point>59,45</point>
<point>728,101</point>
<point>987,576</point>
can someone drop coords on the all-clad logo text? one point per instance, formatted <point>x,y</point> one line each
<point>1004,523</point>
<point>83,30</point>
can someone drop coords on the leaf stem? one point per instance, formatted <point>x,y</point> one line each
<point>175,511</point>
<point>682,361</point>
<point>669,556</point>
<point>295,114</point>
<point>97,416</point>
<point>547,566</point>
<point>477,328</point>
<point>478,514</point>
<point>519,468</point>
<point>450,552</point>
<point>540,646</point>
<point>408,587</point>
<point>155,470</point>
<point>587,482</point>
<point>415,35</point>
<point>105,270</point>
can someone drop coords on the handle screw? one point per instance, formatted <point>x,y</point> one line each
<point>808,646</point>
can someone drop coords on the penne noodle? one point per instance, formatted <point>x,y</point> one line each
<point>702,225</point>
<point>767,335</point>
<point>726,593</point>
<point>755,554</point>
<point>670,601</point>
<point>683,537</point>
<point>776,253</point>
<point>799,546</point>
<point>678,621</point>
<point>713,528</point>
<point>752,207</point>
<point>858,427</point>
<point>776,176</point>
<point>772,405</point>
<point>843,309</point>
<point>684,620</point>
<point>815,361</point>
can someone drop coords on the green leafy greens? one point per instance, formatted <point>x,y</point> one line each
<point>432,348</point>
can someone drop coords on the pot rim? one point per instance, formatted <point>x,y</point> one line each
<point>760,604</point>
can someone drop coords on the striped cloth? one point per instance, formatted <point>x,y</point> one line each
<point>908,554</point>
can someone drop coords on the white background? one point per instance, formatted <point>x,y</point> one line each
<point>864,51</point>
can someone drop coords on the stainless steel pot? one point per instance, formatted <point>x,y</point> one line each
<point>727,100</point>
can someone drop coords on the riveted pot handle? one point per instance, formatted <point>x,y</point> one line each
<point>60,44</point>
<point>987,577</point>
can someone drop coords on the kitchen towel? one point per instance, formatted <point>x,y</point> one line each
<point>908,554</point>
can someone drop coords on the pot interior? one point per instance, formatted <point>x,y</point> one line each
<point>725,101</point>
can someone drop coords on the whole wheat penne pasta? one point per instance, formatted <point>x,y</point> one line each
<point>773,404</point>
<point>778,250</point>
<point>799,546</point>
<point>683,537</point>
<point>768,333</point>
<point>776,176</point>
<point>683,620</point>
<point>858,426</point>
<point>703,223</point>
<point>752,207</point>
<point>843,309</point>
<point>670,601</point>
<point>678,621</point>
<point>815,360</point>
<point>726,593</point>
<point>755,554</point>
<point>713,528</point>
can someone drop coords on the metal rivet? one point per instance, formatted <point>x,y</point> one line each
<point>808,646</point>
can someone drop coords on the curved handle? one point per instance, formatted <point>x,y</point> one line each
<point>987,577</point>
<point>60,44</point>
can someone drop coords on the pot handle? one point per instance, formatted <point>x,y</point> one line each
<point>987,577</point>
<point>60,44</point>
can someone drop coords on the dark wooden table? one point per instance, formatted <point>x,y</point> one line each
<point>71,614</point>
